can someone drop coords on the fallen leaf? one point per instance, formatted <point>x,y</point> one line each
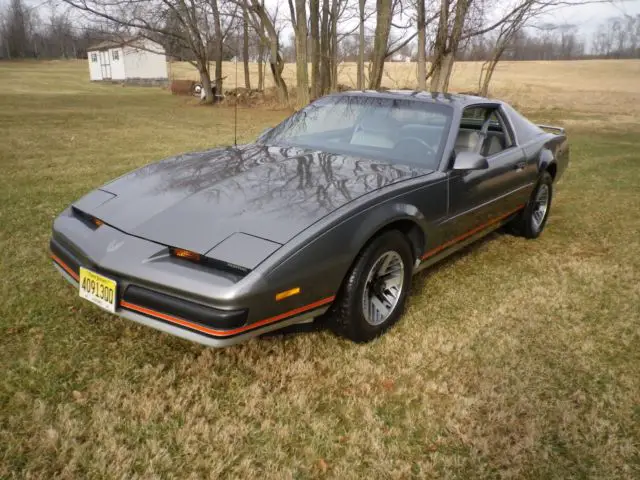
<point>388,384</point>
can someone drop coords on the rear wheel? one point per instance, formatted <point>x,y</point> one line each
<point>373,295</point>
<point>532,220</point>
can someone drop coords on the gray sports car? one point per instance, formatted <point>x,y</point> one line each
<point>331,211</point>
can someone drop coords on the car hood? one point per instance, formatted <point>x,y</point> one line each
<point>196,200</point>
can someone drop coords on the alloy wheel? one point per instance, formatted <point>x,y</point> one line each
<point>383,288</point>
<point>540,206</point>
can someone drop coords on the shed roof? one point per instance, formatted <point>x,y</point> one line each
<point>116,42</point>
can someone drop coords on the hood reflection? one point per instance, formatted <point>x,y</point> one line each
<point>196,200</point>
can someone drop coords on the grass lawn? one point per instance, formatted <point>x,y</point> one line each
<point>515,358</point>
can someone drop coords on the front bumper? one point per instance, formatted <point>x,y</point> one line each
<point>188,300</point>
<point>195,332</point>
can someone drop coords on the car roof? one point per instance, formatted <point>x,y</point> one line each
<point>452,99</point>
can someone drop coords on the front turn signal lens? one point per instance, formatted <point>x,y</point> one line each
<point>188,254</point>
<point>97,222</point>
<point>287,293</point>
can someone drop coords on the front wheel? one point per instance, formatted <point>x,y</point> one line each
<point>532,220</point>
<point>374,293</point>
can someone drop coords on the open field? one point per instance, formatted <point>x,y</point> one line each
<point>589,87</point>
<point>516,359</point>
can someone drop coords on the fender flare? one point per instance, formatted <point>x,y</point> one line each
<point>545,159</point>
<point>380,218</point>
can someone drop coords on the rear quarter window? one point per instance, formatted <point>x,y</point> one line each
<point>524,129</point>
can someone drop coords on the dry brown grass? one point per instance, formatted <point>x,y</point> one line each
<point>585,88</point>
<point>515,359</point>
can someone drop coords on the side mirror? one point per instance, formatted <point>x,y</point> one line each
<point>470,161</point>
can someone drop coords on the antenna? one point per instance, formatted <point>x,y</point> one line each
<point>235,108</point>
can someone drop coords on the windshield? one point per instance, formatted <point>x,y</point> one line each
<point>397,130</point>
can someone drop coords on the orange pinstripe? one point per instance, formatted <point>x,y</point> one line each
<point>477,229</point>
<point>200,328</point>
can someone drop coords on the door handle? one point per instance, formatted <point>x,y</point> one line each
<point>520,166</point>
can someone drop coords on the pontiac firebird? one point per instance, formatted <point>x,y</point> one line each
<point>327,214</point>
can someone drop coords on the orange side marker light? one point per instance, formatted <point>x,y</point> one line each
<point>287,293</point>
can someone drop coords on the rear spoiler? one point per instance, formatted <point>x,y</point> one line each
<point>558,130</point>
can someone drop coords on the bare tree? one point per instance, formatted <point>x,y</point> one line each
<point>448,38</point>
<point>514,19</point>
<point>390,15</point>
<point>325,76</point>
<point>218,41</point>
<point>506,31</point>
<point>245,45</point>
<point>16,25</point>
<point>314,22</point>
<point>384,16</point>
<point>299,22</point>
<point>618,37</point>
<point>422,55</point>
<point>265,25</point>
<point>325,18</point>
<point>361,43</point>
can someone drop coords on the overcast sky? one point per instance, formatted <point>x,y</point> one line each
<point>585,17</point>
<point>588,17</point>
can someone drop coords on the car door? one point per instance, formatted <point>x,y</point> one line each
<point>479,198</point>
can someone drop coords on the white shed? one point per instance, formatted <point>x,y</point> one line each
<point>128,60</point>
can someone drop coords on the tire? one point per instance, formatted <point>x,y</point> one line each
<point>531,221</point>
<point>354,315</point>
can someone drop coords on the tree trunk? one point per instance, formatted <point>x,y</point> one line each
<point>490,66</point>
<point>219,44</point>
<point>277,66</point>
<point>485,77</point>
<point>422,40</point>
<point>447,45</point>
<point>245,46</point>
<point>260,67</point>
<point>276,62</point>
<point>383,27</point>
<point>445,72</point>
<point>333,49</point>
<point>440,46</point>
<point>205,80</point>
<point>325,67</point>
<point>361,40</point>
<point>302,74</point>
<point>314,17</point>
<point>462,8</point>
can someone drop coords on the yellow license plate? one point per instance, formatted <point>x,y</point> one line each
<point>98,289</point>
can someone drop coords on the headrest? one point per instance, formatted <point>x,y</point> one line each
<point>467,140</point>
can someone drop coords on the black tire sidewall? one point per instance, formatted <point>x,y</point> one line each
<point>530,231</point>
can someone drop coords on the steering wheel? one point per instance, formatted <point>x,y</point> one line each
<point>430,149</point>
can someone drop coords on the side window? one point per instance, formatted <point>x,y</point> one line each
<point>115,55</point>
<point>474,117</point>
<point>469,136</point>
<point>94,57</point>
<point>497,137</point>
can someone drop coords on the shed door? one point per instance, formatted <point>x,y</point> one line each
<point>105,64</point>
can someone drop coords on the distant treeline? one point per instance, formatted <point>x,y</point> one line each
<point>25,33</point>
